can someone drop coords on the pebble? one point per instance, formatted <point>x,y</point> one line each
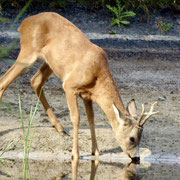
<point>163,98</point>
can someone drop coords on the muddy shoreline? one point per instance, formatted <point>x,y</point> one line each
<point>145,80</point>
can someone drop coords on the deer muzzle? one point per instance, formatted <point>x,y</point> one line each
<point>135,160</point>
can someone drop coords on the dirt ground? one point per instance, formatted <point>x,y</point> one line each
<point>146,69</point>
<point>142,77</point>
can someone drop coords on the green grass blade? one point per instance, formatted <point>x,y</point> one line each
<point>7,20</point>
<point>125,22</point>
<point>4,51</point>
<point>6,170</point>
<point>21,114</point>
<point>21,12</point>
<point>5,104</point>
<point>6,148</point>
<point>28,140</point>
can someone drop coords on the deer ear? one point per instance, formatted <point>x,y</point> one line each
<point>119,115</point>
<point>132,109</point>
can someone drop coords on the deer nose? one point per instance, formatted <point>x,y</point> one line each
<point>135,159</point>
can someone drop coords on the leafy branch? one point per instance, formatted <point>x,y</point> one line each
<point>120,14</point>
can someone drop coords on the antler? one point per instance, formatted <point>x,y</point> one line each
<point>146,114</point>
<point>142,115</point>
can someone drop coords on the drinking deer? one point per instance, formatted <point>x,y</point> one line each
<point>83,68</point>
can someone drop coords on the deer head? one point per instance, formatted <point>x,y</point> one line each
<point>130,127</point>
<point>129,172</point>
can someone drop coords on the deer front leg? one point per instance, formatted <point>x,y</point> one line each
<point>37,82</point>
<point>90,116</point>
<point>75,164</point>
<point>74,113</point>
<point>94,166</point>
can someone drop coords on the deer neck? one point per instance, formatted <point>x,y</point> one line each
<point>106,94</point>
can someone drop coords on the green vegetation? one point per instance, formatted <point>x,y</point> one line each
<point>5,104</point>
<point>28,136</point>
<point>120,14</point>
<point>7,20</point>
<point>120,8</point>
<point>164,27</point>
<point>5,107</point>
<point>8,146</point>
<point>21,3</point>
<point>136,5</point>
<point>3,161</point>
<point>5,50</point>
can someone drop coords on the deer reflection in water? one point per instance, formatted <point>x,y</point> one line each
<point>129,172</point>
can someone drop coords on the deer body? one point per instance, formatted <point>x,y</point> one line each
<point>81,65</point>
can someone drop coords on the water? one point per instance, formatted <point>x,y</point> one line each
<point>85,169</point>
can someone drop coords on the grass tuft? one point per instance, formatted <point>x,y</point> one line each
<point>28,138</point>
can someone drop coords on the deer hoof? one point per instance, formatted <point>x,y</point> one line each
<point>59,128</point>
<point>96,153</point>
<point>65,133</point>
<point>75,157</point>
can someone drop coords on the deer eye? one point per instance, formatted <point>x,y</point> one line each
<point>132,139</point>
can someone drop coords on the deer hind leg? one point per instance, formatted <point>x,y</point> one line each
<point>90,116</point>
<point>37,82</point>
<point>23,61</point>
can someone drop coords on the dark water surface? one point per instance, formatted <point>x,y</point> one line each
<point>98,170</point>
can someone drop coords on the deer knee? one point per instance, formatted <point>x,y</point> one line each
<point>65,86</point>
<point>35,83</point>
<point>3,87</point>
<point>1,91</point>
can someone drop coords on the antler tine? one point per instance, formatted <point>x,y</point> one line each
<point>149,114</point>
<point>142,114</point>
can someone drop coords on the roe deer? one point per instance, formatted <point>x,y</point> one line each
<point>83,68</point>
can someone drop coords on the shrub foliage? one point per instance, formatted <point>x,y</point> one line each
<point>137,5</point>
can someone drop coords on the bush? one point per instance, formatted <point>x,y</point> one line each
<point>21,3</point>
<point>138,5</point>
<point>119,14</point>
